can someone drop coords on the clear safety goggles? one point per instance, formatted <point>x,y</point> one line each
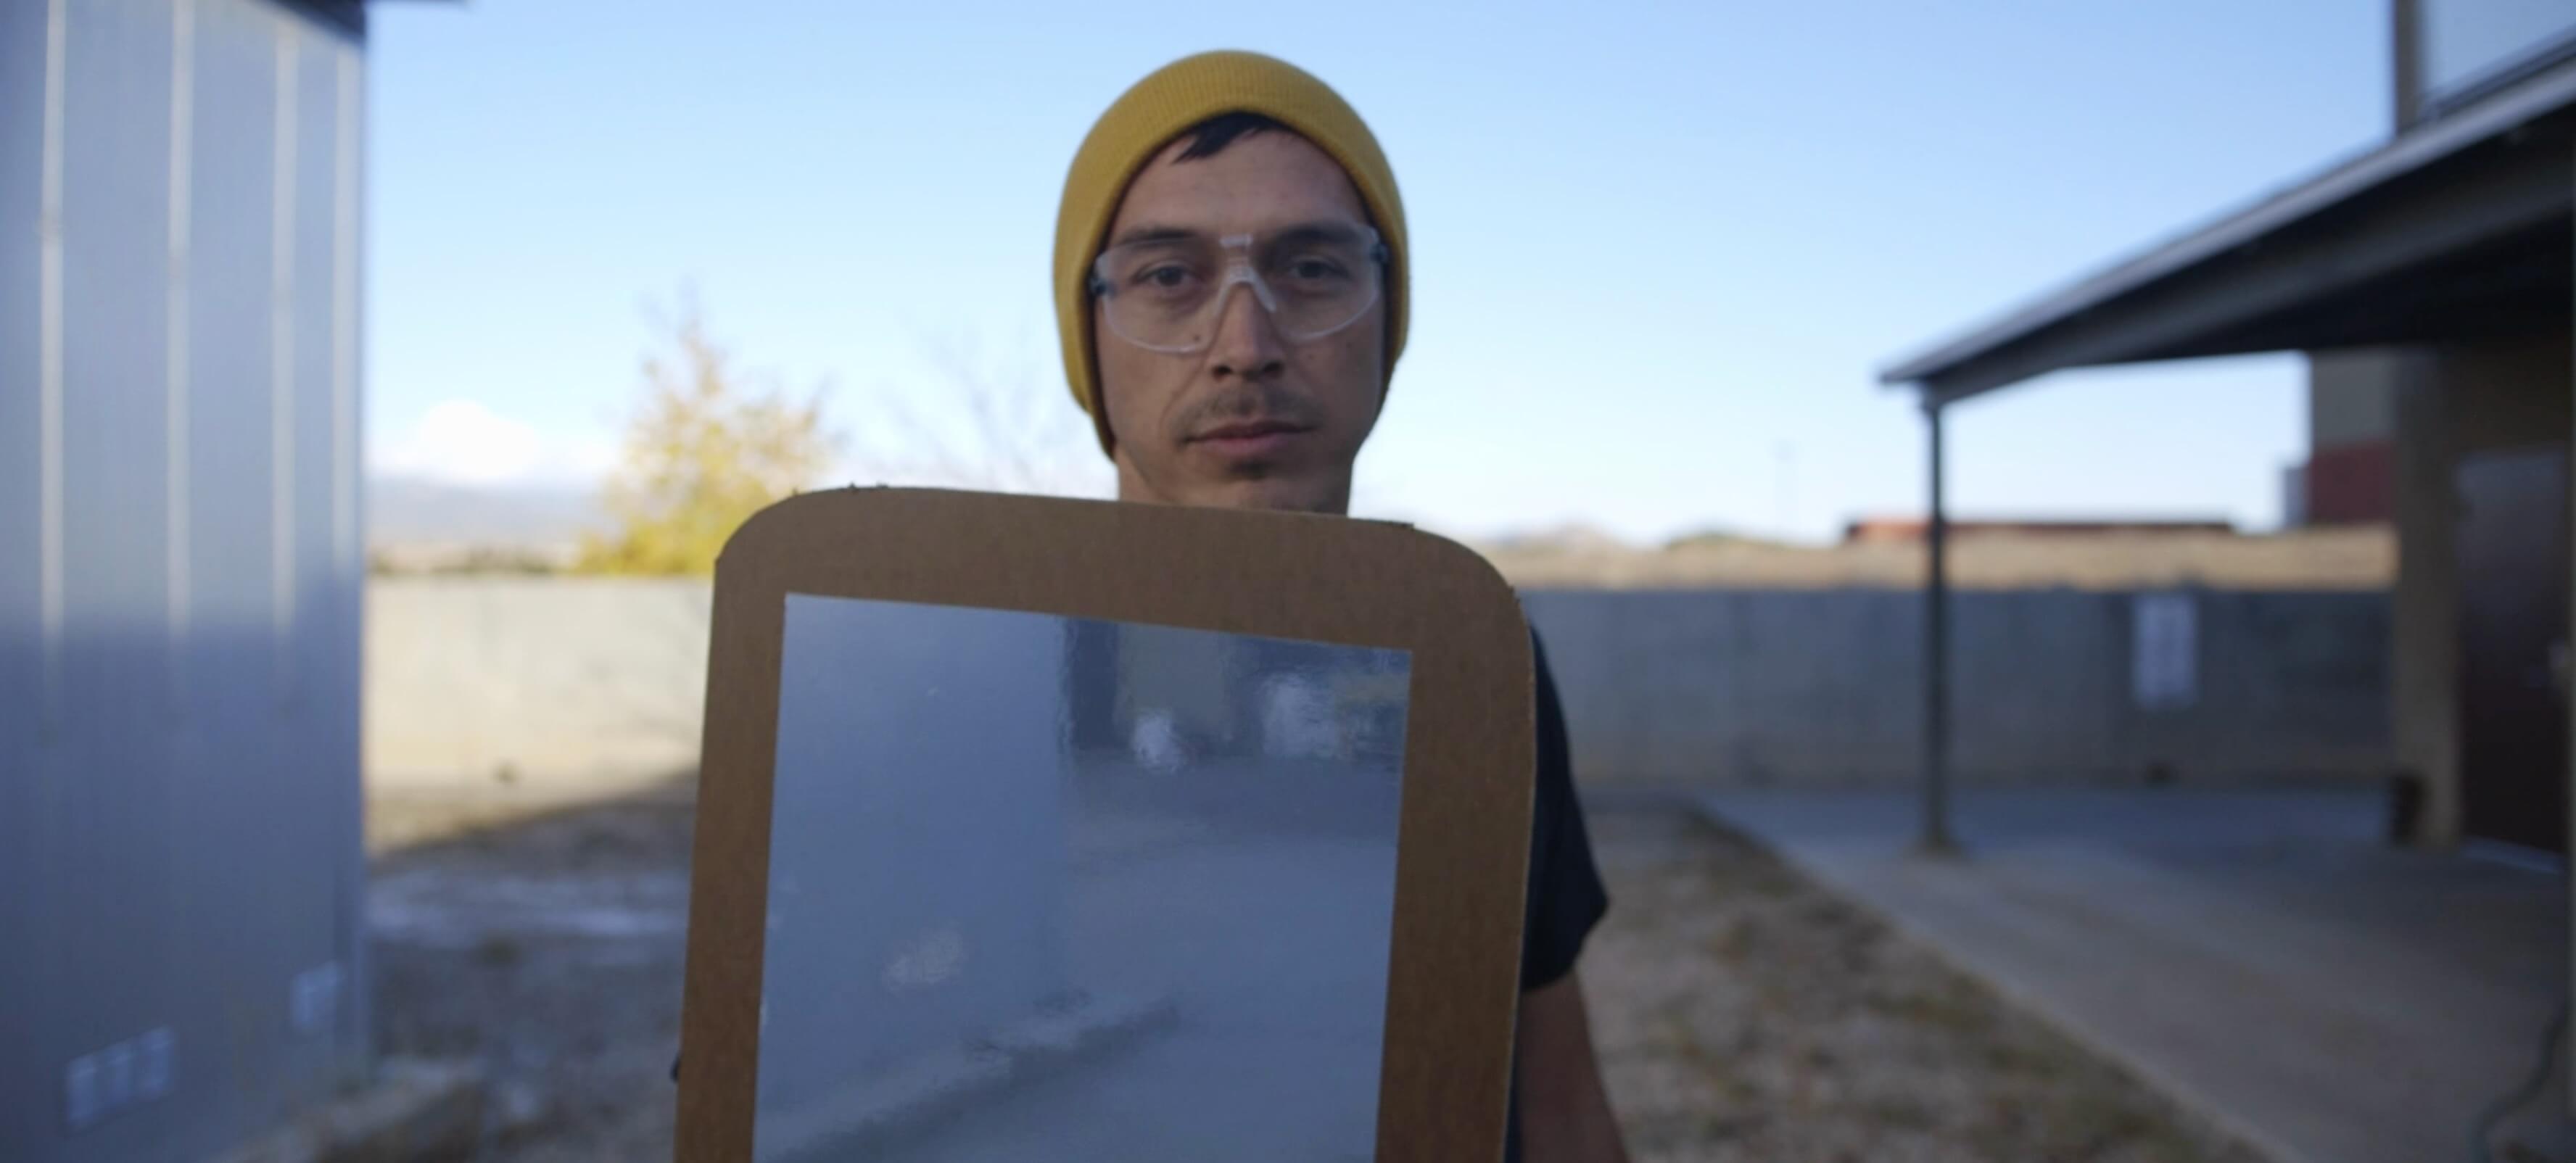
<point>1166,292</point>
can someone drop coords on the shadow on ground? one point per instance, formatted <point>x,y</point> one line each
<point>542,939</point>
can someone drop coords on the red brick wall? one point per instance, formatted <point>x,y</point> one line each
<point>2352,484</point>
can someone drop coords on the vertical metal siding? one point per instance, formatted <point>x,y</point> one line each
<point>107,842</point>
<point>238,998</point>
<point>23,109</point>
<point>179,560</point>
<point>343,803</point>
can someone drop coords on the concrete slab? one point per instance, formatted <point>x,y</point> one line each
<point>2260,954</point>
<point>412,1109</point>
<point>871,1117</point>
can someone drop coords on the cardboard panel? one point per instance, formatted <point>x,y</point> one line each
<point>1451,987</point>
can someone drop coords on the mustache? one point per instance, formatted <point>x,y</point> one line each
<point>1243,403</point>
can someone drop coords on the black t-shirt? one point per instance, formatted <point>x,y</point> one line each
<point>1565,895</point>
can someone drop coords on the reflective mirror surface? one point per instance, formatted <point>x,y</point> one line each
<point>1053,888</point>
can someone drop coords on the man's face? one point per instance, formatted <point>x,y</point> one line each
<point>1254,420</point>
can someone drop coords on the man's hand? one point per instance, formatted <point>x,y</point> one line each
<point>1565,1113</point>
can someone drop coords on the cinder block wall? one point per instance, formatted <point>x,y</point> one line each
<point>574,681</point>
<point>1826,686</point>
<point>483,682</point>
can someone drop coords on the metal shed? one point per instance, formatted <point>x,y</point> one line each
<point>2441,258</point>
<point>180,572</point>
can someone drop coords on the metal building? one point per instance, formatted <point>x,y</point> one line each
<point>180,569</point>
<point>2429,280</point>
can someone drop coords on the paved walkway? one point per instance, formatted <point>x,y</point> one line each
<point>2258,953</point>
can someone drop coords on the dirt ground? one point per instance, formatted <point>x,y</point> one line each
<point>1741,1013</point>
<point>549,950</point>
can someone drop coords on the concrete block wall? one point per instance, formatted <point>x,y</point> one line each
<point>1826,686</point>
<point>479,682</point>
<point>472,682</point>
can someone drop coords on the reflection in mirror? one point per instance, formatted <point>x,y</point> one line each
<point>1052,888</point>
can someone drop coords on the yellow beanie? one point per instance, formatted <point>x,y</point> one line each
<point>1145,119</point>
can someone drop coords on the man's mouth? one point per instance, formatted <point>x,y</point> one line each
<point>1250,438</point>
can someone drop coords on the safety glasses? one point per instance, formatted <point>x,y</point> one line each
<point>1166,290</point>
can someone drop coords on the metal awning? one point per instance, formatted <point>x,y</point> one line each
<point>2456,229</point>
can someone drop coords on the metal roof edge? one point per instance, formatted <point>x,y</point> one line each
<point>2415,149</point>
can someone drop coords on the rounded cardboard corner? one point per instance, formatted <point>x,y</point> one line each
<point>758,535</point>
<point>1472,569</point>
<point>788,524</point>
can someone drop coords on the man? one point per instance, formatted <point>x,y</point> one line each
<point>1230,283</point>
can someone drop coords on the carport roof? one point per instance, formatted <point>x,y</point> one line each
<point>2450,230</point>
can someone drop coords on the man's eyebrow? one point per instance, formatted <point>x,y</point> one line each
<point>1150,232</point>
<point>1329,229</point>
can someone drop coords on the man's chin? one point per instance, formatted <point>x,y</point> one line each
<point>1281,488</point>
<point>1298,493</point>
<point>1274,495</point>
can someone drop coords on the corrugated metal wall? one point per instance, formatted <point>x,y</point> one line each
<point>180,568</point>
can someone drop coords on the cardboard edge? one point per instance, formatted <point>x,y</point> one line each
<point>1453,980</point>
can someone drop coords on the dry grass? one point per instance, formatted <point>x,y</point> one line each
<point>1744,1014</point>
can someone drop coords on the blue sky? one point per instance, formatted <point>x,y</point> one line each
<point>1659,250</point>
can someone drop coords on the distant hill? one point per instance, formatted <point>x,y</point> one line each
<point>1568,539</point>
<point>408,513</point>
<point>2361,557</point>
<point>1718,538</point>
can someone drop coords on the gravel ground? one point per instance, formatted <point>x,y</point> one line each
<point>1742,1013</point>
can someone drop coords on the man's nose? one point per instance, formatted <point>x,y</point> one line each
<point>1247,341</point>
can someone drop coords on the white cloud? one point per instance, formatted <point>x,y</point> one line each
<point>461,442</point>
<point>587,458</point>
